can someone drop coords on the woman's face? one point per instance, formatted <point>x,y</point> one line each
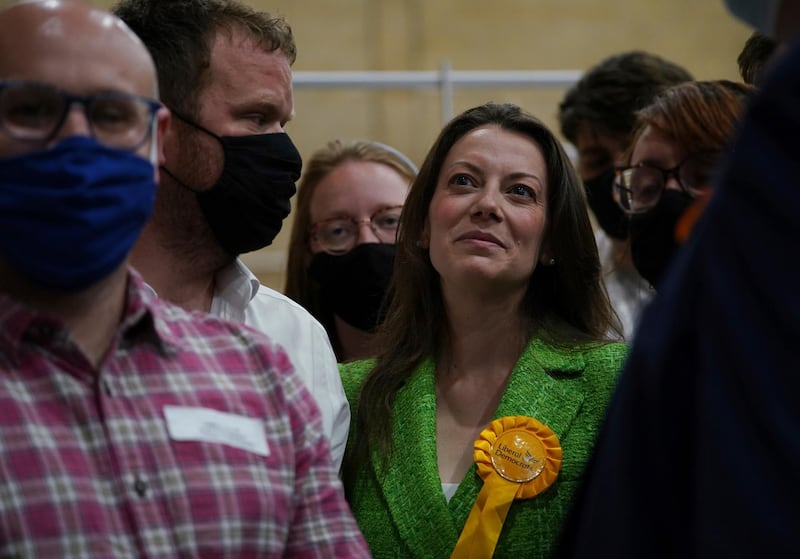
<point>661,199</point>
<point>657,149</point>
<point>357,190</point>
<point>487,218</point>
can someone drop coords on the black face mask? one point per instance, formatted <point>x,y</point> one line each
<point>609,215</point>
<point>354,285</point>
<point>246,207</point>
<point>653,235</point>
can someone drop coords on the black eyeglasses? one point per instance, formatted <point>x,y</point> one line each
<point>338,235</point>
<point>35,112</point>
<point>638,188</point>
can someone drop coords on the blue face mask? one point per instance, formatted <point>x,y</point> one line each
<point>70,215</point>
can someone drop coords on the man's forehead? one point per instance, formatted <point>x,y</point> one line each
<point>55,41</point>
<point>60,20</point>
<point>596,137</point>
<point>238,38</point>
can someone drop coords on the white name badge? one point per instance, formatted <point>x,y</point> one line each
<point>212,426</point>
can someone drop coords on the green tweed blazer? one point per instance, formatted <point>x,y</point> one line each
<point>406,514</point>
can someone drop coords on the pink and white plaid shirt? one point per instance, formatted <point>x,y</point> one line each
<point>89,461</point>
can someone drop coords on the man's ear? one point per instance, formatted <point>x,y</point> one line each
<point>163,119</point>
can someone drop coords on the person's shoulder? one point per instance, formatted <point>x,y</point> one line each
<point>578,353</point>
<point>597,366</point>
<point>353,374</point>
<point>592,361</point>
<point>292,326</point>
<point>604,359</point>
<point>602,365</point>
<point>276,314</point>
<point>171,318</point>
<point>270,303</point>
<point>358,368</point>
<point>272,297</point>
<point>192,329</point>
<point>611,353</point>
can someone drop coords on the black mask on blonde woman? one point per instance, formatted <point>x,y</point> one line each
<point>353,285</point>
<point>652,235</point>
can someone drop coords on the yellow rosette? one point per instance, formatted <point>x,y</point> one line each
<point>517,457</point>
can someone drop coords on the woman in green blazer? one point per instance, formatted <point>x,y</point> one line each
<point>498,311</point>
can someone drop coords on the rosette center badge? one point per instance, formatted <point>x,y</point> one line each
<point>518,455</point>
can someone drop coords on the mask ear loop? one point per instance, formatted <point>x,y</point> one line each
<point>154,142</point>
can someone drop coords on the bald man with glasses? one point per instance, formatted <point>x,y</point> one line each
<point>128,427</point>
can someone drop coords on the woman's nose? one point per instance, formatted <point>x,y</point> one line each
<point>486,204</point>
<point>672,183</point>
<point>366,233</point>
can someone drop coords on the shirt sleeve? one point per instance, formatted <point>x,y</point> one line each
<point>330,397</point>
<point>322,524</point>
<point>307,345</point>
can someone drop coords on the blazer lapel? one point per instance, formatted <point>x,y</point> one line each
<point>533,390</point>
<point>412,486</point>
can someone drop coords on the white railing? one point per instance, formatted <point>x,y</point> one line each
<point>446,80</point>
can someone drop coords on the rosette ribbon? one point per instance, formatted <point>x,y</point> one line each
<point>517,457</point>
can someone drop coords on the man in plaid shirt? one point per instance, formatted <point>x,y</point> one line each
<point>128,427</point>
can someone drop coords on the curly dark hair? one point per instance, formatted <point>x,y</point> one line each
<point>609,94</point>
<point>756,53</point>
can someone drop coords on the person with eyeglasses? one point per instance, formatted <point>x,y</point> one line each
<point>341,252</point>
<point>679,141</point>
<point>699,455</point>
<point>129,427</point>
<point>598,115</point>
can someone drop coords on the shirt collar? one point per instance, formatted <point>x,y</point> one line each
<point>16,320</point>
<point>235,286</point>
<point>144,318</point>
<point>141,322</point>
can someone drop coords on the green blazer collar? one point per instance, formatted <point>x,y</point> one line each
<point>411,485</point>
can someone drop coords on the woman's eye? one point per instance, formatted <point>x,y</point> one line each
<point>387,221</point>
<point>647,188</point>
<point>523,190</point>
<point>461,180</point>
<point>338,229</point>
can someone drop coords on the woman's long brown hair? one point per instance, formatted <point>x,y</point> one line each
<point>566,303</point>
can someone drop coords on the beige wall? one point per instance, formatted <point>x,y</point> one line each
<point>474,35</point>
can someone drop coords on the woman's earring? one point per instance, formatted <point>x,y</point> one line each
<point>552,262</point>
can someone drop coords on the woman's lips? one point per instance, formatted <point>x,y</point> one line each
<point>481,236</point>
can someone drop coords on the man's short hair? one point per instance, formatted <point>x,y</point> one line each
<point>755,55</point>
<point>180,33</point>
<point>609,94</point>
